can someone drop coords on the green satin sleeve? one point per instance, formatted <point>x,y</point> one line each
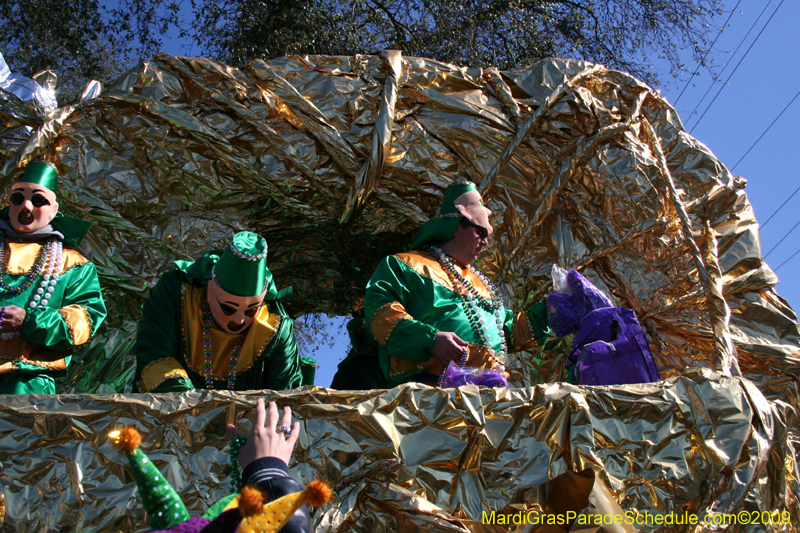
<point>538,319</point>
<point>158,334</point>
<point>412,339</point>
<point>47,327</point>
<point>175,385</point>
<point>394,282</point>
<point>508,328</point>
<point>283,370</point>
<point>40,382</point>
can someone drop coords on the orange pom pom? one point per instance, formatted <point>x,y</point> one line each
<point>251,501</point>
<point>318,493</point>
<point>129,439</point>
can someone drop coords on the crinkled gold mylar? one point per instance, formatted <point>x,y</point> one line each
<point>413,458</point>
<point>337,161</point>
<point>17,119</point>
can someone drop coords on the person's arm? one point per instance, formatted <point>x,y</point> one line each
<point>158,340</point>
<point>284,371</point>
<point>264,458</point>
<point>526,329</point>
<point>384,307</point>
<point>264,469</point>
<point>72,325</point>
<point>268,448</point>
<point>81,313</point>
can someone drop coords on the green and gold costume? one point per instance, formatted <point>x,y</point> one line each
<point>169,341</point>
<point>56,286</point>
<point>75,310</point>
<point>410,298</point>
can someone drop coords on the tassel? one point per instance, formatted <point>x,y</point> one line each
<point>251,501</point>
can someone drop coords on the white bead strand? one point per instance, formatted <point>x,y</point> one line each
<point>49,279</point>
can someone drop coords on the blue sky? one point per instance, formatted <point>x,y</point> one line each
<point>761,83</point>
<point>757,83</point>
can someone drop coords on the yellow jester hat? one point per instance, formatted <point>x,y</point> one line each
<point>271,517</point>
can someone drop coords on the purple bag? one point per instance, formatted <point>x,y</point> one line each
<point>456,376</point>
<point>573,298</point>
<point>610,348</point>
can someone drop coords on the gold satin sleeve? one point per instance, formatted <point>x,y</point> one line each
<point>29,353</point>
<point>384,321</point>
<point>399,366</point>
<point>477,356</point>
<point>521,333</point>
<point>160,371</point>
<point>78,322</point>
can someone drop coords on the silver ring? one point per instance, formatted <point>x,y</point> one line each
<point>286,430</point>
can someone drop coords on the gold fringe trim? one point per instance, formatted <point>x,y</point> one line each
<point>171,373</point>
<point>58,364</point>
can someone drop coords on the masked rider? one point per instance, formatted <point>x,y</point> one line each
<point>217,323</point>
<point>50,299</point>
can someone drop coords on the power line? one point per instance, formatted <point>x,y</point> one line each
<point>737,66</point>
<point>781,207</point>
<point>766,130</point>
<point>689,81</point>
<point>790,258</point>
<point>782,239</point>
<point>732,56</point>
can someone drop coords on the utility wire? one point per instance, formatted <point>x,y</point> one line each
<point>737,65</point>
<point>781,207</point>
<point>713,82</point>
<point>762,226</point>
<point>790,258</point>
<point>700,64</point>
<point>692,114</point>
<point>766,130</point>
<point>783,239</point>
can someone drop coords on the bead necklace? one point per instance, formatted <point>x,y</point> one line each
<point>236,476</point>
<point>51,275</point>
<point>464,357</point>
<point>208,354</point>
<point>472,300</point>
<point>29,279</point>
<point>468,289</point>
<point>51,255</point>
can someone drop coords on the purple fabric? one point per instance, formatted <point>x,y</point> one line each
<point>610,348</point>
<point>227,522</point>
<point>193,525</point>
<point>456,377</point>
<point>567,309</point>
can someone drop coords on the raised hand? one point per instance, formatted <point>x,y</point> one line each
<point>268,439</point>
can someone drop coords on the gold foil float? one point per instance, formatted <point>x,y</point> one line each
<point>337,161</point>
<point>413,458</point>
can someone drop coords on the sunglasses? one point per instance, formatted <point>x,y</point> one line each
<point>37,200</point>
<point>482,232</point>
<point>227,310</point>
